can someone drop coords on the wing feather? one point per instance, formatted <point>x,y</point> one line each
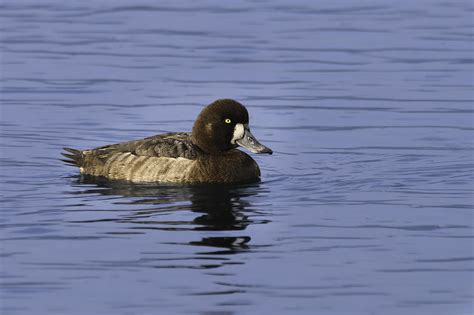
<point>172,145</point>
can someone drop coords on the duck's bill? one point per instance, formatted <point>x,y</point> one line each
<point>249,142</point>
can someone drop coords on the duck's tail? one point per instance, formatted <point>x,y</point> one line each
<point>75,157</point>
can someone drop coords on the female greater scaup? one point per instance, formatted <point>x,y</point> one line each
<point>206,155</point>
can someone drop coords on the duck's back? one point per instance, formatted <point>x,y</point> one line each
<point>170,145</point>
<point>168,157</point>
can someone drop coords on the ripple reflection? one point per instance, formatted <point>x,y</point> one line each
<point>150,206</point>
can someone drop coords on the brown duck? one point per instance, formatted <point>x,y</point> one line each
<point>208,154</point>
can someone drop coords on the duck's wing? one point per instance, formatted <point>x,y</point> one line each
<point>171,145</point>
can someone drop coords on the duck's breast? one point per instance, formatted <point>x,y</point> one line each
<point>233,167</point>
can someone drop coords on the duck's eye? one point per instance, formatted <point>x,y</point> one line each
<point>227,121</point>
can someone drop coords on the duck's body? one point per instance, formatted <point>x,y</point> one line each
<point>168,157</point>
<point>207,155</point>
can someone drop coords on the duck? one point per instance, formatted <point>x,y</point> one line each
<point>207,154</point>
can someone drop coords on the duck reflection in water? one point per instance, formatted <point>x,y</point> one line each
<point>220,207</point>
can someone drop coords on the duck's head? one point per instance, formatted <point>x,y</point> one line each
<point>224,125</point>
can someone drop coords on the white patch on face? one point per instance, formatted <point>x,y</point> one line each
<point>239,131</point>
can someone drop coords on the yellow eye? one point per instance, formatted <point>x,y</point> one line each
<point>227,121</point>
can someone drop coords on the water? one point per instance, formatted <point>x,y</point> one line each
<point>366,207</point>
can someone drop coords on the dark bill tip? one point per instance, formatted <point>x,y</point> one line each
<point>266,151</point>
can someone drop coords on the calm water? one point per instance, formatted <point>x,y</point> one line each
<point>366,207</point>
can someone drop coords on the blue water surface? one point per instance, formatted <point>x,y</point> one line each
<point>366,206</point>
